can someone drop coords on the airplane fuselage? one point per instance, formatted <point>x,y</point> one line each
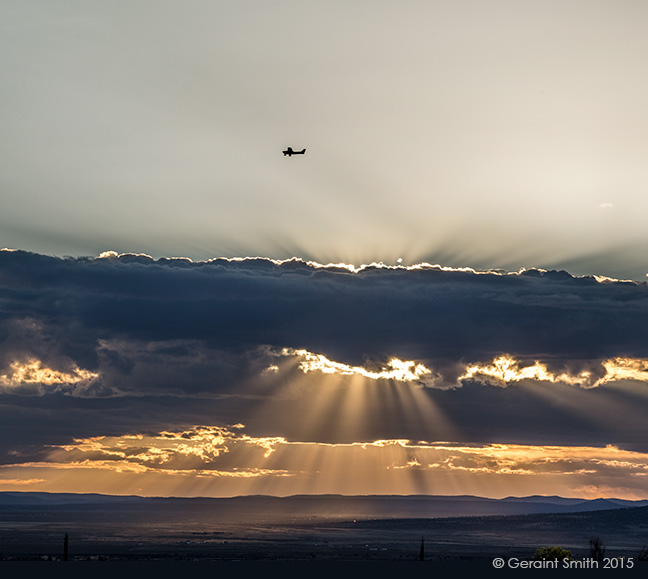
<point>289,151</point>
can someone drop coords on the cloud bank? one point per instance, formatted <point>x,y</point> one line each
<point>92,311</point>
<point>125,345</point>
<point>228,460</point>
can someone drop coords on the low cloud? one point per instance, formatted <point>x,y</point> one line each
<point>506,370</point>
<point>393,369</point>
<point>318,354</point>
<point>220,456</point>
<point>204,450</point>
<point>502,371</point>
<point>82,310</point>
<point>32,377</point>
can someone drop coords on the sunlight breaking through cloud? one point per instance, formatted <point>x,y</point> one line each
<point>115,256</point>
<point>33,373</point>
<point>502,371</point>
<point>506,369</point>
<point>395,369</point>
<point>199,450</point>
<point>221,458</point>
<point>624,369</point>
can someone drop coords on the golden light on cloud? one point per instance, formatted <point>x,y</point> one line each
<point>9,482</point>
<point>395,369</point>
<point>33,372</point>
<point>625,369</point>
<point>506,369</point>
<point>502,371</point>
<point>217,461</point>
<point>197,450</point>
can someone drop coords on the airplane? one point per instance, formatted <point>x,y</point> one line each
<point>290,152</point>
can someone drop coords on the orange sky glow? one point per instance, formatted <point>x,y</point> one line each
<point>216,461</point>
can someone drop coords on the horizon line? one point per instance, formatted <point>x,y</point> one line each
<point>315,495</point>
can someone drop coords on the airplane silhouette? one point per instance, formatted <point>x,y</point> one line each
<point>289,151</point>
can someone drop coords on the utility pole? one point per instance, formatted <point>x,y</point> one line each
<point>65,548</point>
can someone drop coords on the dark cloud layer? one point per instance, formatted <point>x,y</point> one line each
<point>173,341</point>
<point>427,314</point>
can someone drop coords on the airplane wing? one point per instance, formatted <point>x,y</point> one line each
<point>289,151</point>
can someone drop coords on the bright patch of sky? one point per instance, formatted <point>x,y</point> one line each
<point>486,135</point>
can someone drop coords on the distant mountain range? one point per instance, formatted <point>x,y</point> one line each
<point>322,506</point>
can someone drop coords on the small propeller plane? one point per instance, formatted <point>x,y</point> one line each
<point>289,151</point>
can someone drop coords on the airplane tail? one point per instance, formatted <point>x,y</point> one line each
<point>303,151</point>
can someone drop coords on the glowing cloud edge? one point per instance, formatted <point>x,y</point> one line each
<point>502,371</point>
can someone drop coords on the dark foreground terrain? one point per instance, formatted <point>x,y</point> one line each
<point>33,526</point>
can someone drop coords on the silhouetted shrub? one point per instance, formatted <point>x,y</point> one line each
<point>552,554</point>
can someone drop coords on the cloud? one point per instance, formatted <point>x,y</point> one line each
<point>32,376</point>
<point>394,369</point>
<point>204,450</point>
<point>501,371</point>
<point>9,482</point>
<point>505,370</point>
<point>221,455</point>
<point>313,353</point>
<point>424,314</point>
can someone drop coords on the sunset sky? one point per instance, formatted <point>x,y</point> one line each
<point>446,294</point>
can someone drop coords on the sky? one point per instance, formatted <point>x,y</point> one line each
<point>499,134</point>
<point>446,294</point>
